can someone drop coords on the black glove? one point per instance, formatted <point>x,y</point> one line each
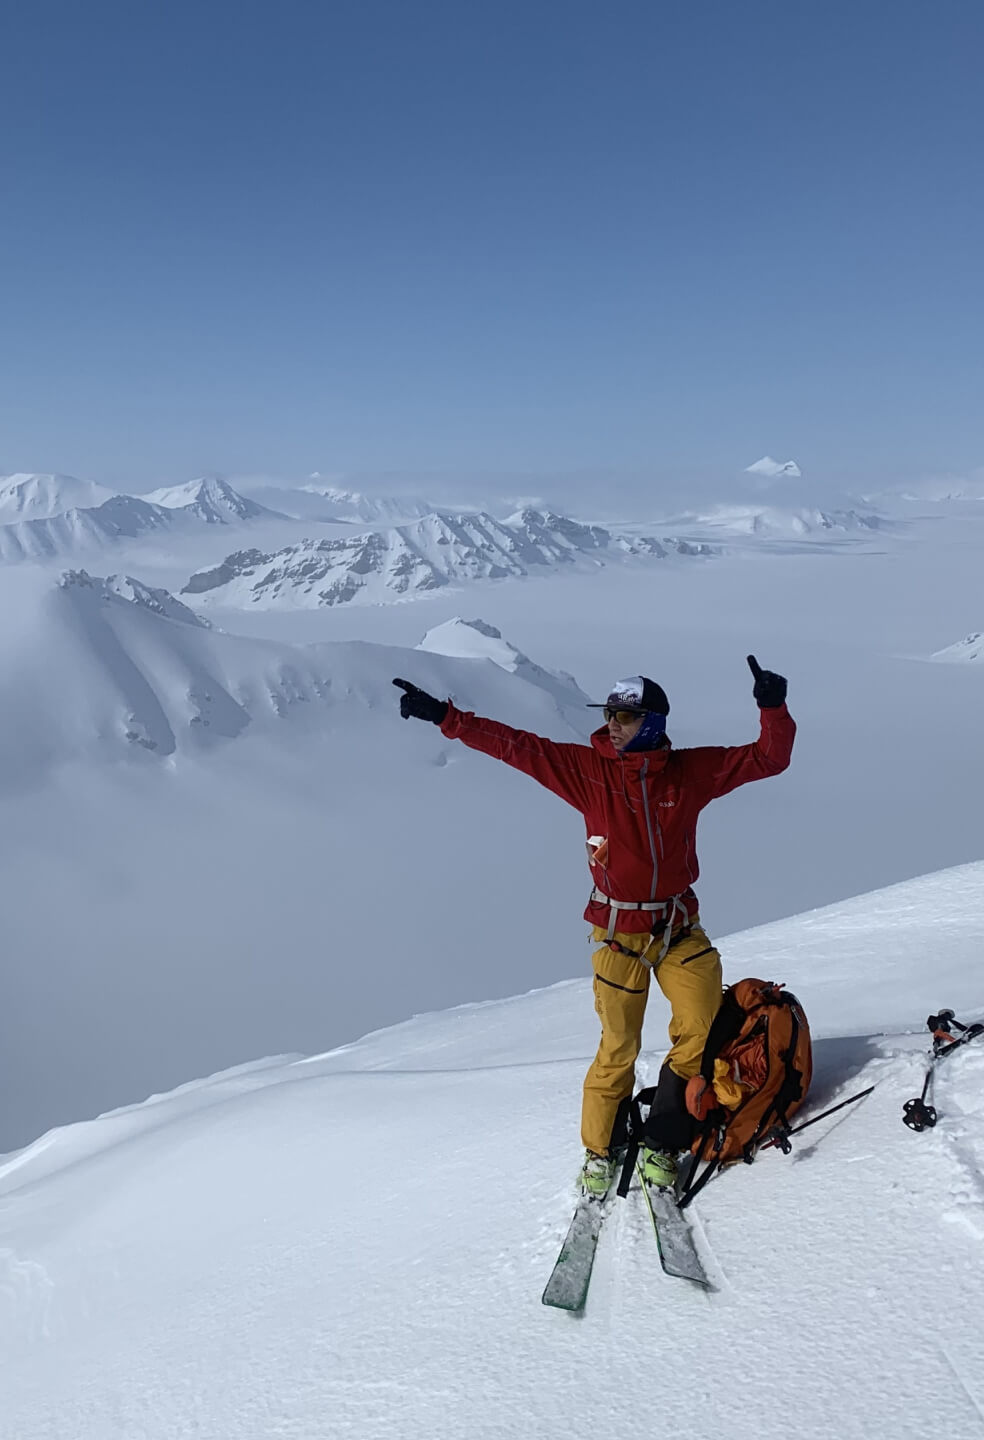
<point>770,688</point>
<point>420,705</point>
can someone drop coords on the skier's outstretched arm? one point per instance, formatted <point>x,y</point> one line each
<point>564,769</point>
<point>719,769</point>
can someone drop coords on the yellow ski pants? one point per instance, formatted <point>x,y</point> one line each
<point>689,975</point>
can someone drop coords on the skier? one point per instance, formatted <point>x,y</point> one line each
<point>640,799</point>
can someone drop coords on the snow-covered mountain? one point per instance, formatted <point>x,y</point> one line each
<point>123,517</point>
<point>441,549</point>
<point>970,648</point>
<point>40,497</point>
<point>774,468</point>
<point>352,505</point>
<point>183,511</point>
<point>117,664</point>
<point>333,504</point>
<point>212,500</point>
<point>767,521</point>
<point>477,640</point>
<point>144,597</point>
<point>214,1262</point>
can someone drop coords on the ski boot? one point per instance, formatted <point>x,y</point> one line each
<point>658,1168</point>
<point>597,1174</point>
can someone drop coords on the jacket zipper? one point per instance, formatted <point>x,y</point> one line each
<point>649,827</point>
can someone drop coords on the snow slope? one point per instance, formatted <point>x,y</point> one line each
<point>354,1245</point>
<point>971,647</point>
<point>41,497</point>
<point>212,500</point>
<point>333,503</point>
<point>120,666</point>
<point>477,640</point>
<point>176,514</point>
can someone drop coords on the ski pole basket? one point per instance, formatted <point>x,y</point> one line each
<point>917,1113</point>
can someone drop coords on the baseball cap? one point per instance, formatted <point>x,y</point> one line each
<point>637,693</point>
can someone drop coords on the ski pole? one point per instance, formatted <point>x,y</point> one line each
<point>822,1116</point>
<point>916,1114</point>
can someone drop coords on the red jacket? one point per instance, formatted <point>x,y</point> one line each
<point>646,802</point>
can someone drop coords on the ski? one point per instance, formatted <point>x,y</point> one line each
<point>567,1288</point>
<point>674,1236</point>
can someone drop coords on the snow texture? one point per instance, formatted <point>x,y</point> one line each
<point>355,1244</point>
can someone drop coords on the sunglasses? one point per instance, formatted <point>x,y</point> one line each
<point>624,717</point>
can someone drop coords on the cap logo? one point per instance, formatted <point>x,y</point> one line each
<point>627,692</point>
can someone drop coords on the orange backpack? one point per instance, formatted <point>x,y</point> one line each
<point>755,1072</point>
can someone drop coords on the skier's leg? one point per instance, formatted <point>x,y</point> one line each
<point>621,985</point>
<point>669,1127</point>
<point>689,975</point>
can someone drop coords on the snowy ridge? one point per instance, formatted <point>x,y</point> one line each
<point>442,549</point>
<point>205,1232</point>
<point>970,648</point>
<point>41,497</point>
<point>774,468</point>
<point>333,504</point>
<point>477,640</point>
<point>121,666</point>
<point>127,517</point>
<point>124,588</point>
<point>123,517</point>
<point>212,500</point>
<point>352,505</point>
<point>755,519</point>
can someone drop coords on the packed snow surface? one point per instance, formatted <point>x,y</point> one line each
<point>355,1244</point>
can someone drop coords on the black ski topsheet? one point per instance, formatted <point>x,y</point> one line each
<point>674,1236</point>
<point>567,1288</point>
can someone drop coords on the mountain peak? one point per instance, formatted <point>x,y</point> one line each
<point>210,498</point>
<point>774,468</point>
<point>25,496</point>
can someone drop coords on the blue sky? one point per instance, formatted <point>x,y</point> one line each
<point>357,235</point>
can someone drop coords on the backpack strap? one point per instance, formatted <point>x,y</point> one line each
<point>725,1027</point>
<point>633,1135</point>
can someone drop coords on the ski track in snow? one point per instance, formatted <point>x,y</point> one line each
<point>239,1260</point>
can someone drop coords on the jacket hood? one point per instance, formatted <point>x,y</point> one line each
<point>602,742</point>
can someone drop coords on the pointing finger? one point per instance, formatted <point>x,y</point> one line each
<point>753,665</point>
<point>405,685</point>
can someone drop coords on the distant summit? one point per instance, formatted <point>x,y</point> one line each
<point>117,588</point>
<point>774,468</point>
<point>42,497</point>
<point>212,500</point>
<point>477,640</point>
<point>441,549</point>
<point>182,509</point>
<point>968,649</point>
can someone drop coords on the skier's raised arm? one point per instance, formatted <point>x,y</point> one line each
<point>719,769</point>
<point>561,768</point>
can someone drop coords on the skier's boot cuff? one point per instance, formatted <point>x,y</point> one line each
<point>658,1167</point>
<point>597,1174</point>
